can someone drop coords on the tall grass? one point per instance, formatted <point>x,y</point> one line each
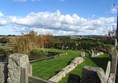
<point>27,42</point>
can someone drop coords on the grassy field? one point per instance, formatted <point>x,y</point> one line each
<point>47,68</point>
<point>100,61</point>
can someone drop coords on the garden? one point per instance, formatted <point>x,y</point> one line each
<point>47,68</point>
<point>50,54</point>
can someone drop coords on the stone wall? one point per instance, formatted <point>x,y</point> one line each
<point>3,72</point>
<point>97,75</point>
<point>67,69</point>
<point>114,63</point>
<point>96,54</point>
<point>93,75</point>
<point>18,68</point>
<point>108,69</point>
<point>33,79</point>
<point>116,79</point>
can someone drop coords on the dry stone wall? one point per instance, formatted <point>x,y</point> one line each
<point>94,54</point>
<point>67,69</point>
<point>97,75</point>
<point>108,69</point>
<point>3,72</point>
<point>93,75</point>
<point>18,68</point>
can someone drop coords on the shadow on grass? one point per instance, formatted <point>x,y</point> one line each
<point>100,62</point>
<point>57,72</point>
<point>70,61</point>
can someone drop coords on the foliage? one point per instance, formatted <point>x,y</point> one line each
<point>4,40</point>
<point>6,51</point>
<point>32,40</point>
<point>83,43</point>
<point>37,53</point>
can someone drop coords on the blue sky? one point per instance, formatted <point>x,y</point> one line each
<point>58,17</point>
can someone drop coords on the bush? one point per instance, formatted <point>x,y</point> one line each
<point>5,51</point>
<point>4,40</point>
<point>37,54</point>
<point>30,41</point>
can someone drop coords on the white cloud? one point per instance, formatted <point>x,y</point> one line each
<point>114,10</point>
<point>4,21</point>
<point>58,24</point>
<point>1,14</point>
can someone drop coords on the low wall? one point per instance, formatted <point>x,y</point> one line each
<point>3,72</point>
<point>19,68</point>
<point>67,69</point>
<point>33,79</point>
<point>96,54</point>
<point>93,75</point>
<point>32,61</point>
<point>97,75</point>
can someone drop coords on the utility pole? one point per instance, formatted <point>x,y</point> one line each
<point>116,39</point>
<point>117,26</point>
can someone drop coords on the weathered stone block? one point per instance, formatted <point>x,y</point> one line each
<point>108,69</point>
<point>116,78</point>
<point>93,75</point>
<point>3,72</point>
<point>113,64</point>
<point>67,69</point>
<point>18,68</point>
<point>111,78</point>
<point>96,54</point>
<point>82,54</point>
<point>77,60</point>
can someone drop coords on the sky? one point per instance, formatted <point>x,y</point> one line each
<point>58,17</point>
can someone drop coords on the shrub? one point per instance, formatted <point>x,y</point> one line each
<point>31,40</point>
<point>4,40</point>
<point>37,54</point>
<point>6,51</point>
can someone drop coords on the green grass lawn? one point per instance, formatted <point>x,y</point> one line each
<point>100,61</point>
<point>47,68</point>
